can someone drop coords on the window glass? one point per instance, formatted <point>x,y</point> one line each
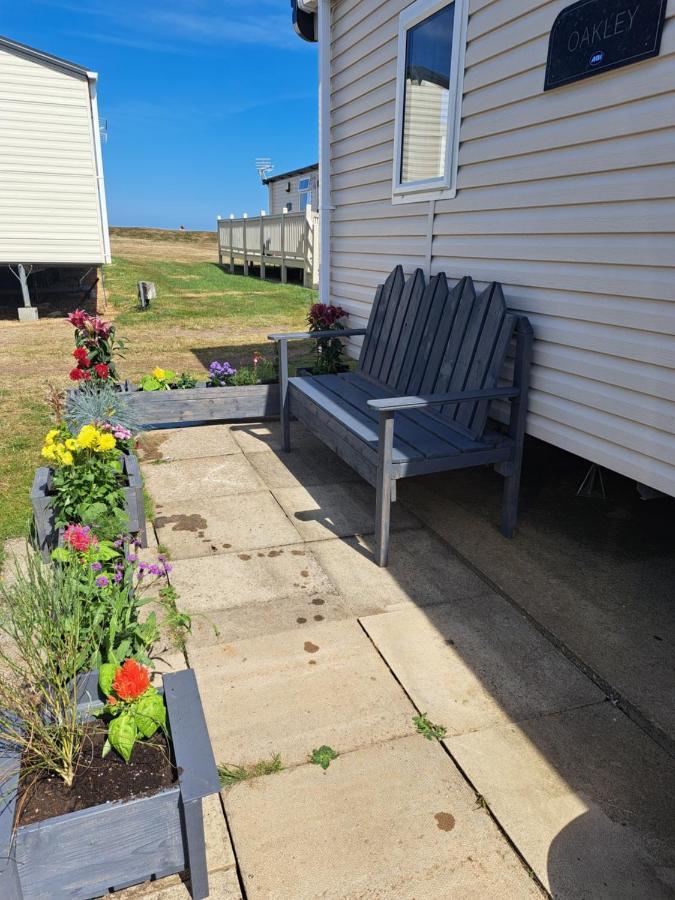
<point>305,200</point>
<point>303,184</point>
<point>428,55</point>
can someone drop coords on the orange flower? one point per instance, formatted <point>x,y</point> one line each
<point>131,680</point>
<point>111,701</point>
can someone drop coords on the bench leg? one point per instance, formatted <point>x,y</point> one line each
<point>510,503</point>
<point>284,412</point>
<point>384,488</point>
<point>517,418</point>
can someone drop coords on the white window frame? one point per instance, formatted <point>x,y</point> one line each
<point>444,187</point>
<point>305,188</point>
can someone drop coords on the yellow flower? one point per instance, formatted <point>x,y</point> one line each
<point>48,452</point>
<point>66,458</point>
<point>159,374</point>
<point>51,435</point>
<point>106,442</point>
<point>71,444</point>
<point>88,436</point>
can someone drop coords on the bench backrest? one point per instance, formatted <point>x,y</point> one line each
<point>430,338</point>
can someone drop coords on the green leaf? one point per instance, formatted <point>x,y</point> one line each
<point>107,747</point>
<point>60,554</point>
<point>150,713</point>
<point>122,734</point>
<point>106,674</point>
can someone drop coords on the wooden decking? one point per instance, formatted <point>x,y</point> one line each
<point>286,241</point>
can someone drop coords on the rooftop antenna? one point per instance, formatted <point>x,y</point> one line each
<point>264,167</point>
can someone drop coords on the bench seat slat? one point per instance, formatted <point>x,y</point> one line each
<point>356,421</point>
<point>429,420</point>
<point>423,441</point>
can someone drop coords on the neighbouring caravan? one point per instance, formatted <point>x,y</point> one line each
<point>52,198</point>
<point>293,191</point>
<point>441,149</point>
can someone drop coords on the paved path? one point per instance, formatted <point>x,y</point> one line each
<point>299,640</point>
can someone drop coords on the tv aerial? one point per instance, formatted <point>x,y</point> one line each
<point>264,167</point>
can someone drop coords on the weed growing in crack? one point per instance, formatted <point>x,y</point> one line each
<point>430,730</point>
<point>230,774</point>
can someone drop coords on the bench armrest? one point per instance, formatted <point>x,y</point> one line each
<point>391,404</point>
<point>305,335</point>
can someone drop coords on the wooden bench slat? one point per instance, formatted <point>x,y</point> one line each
<point>427,443</point>
<point>402,324</point>
<point>358,422</point>
<point>428,419</point>
<point>388,298</point>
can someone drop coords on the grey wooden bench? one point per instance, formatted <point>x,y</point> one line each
<point>418,401</point>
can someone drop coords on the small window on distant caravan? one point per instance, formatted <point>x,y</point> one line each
<point>428,97</point>
<point>304,186</point>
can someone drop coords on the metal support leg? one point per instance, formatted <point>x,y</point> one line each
<point>384,484</point>
<point>285,412</point>
<point>194,832</point>
<point>23,279</point>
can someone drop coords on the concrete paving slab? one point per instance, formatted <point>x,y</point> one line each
<point>223,885</point>
<point>421,571</point>
<point>210,476</point>
<point>248,577</point>
<point>586,796</point>
<point>223,524</point>
<point>336,510</point>
<point>17,551</point>
<point>187,443</point>
<point>290,692</point>
<point>596,573</point>
<point>259,437</point>
<point>475,662</point>
<point>303,466</point>
<point>223,626</point>
<point>395,820</point>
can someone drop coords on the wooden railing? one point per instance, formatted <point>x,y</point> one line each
<point>287,240</point>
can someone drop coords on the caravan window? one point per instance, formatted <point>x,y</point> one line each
<point>304,187</point>
<point>428,97</point>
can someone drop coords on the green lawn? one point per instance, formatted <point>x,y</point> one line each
<point>202,313</point>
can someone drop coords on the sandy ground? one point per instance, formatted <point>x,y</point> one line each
<point>148,244</point>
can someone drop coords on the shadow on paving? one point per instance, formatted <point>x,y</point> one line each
<point>583,792</point>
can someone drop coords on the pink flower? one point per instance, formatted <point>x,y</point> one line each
<point>120,433</point>
<point>78,318</point>
<point>80,537</point>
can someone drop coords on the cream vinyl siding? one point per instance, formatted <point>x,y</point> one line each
<point>567,198</point>
<point>278,196</point>
<point>49,201</point>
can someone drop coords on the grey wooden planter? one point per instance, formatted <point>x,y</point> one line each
<point>46,533</point>
<point>201,404</point>
<point>88,853</point>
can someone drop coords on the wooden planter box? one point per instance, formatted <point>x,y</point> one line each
<point>87,853</point>
<point>46,533</point>
<point>203,405</point>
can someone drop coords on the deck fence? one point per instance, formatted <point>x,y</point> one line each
<point>286,240</point>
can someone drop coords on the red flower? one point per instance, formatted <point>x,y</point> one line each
<point>78,318</point>
<point>131,680</point>
<point>77,374</point>
<point>101,370</point>
<point>111,701</point>
<point>80,355</point>
<point>80,537</point>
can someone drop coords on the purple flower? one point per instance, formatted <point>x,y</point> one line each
<point>118,543</point>
<point>218,370</point>
<point>131,557</point>
<point>167,568</point>
<point>96,567</point>
<point>102,581</point>
<point>117,577</point>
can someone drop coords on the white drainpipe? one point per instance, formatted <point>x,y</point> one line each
<point>324,151</point>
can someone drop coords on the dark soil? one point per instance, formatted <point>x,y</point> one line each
<point>98,780</point>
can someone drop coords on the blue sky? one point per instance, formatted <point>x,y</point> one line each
<point>193,91</point>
